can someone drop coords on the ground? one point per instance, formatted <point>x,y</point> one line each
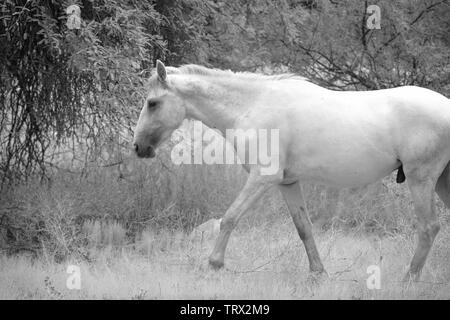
<point>263,262</point>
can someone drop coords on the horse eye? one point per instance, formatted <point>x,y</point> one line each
<point>152,104</point>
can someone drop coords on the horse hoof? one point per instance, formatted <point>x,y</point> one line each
<point>317,277</point>
<point>411,277</point>
<point>216,264</point>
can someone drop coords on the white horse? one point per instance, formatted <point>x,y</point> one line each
<point>342,139</point>
<point>207,230</point>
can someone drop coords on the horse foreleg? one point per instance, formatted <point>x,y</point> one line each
<point>294,199</point>
<point>427,222</point>
<point>255,186</point>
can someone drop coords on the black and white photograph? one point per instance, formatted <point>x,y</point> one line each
<point>243,150</point>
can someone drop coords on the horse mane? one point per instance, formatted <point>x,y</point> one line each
<point>195,69</point>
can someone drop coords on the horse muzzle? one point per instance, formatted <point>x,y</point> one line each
<point>144,152</point>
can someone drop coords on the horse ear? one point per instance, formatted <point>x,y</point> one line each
<point>161,70</point>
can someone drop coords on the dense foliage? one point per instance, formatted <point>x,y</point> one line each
<point>64,87</point>
<point>60,86</point>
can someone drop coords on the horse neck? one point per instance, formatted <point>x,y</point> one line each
<point>218,103</point>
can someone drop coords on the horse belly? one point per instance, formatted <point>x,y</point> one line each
<point>341,168</point>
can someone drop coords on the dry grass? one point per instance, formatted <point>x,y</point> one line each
<point>264,262</point>
<point>128,230</point>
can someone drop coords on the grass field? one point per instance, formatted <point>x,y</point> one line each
<point>128,232</point>
<point>264,262</point>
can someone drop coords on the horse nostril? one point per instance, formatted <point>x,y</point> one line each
<point>136,148</point>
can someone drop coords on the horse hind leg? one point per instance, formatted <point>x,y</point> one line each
<point>443,186</point>
<point>427,222</point>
